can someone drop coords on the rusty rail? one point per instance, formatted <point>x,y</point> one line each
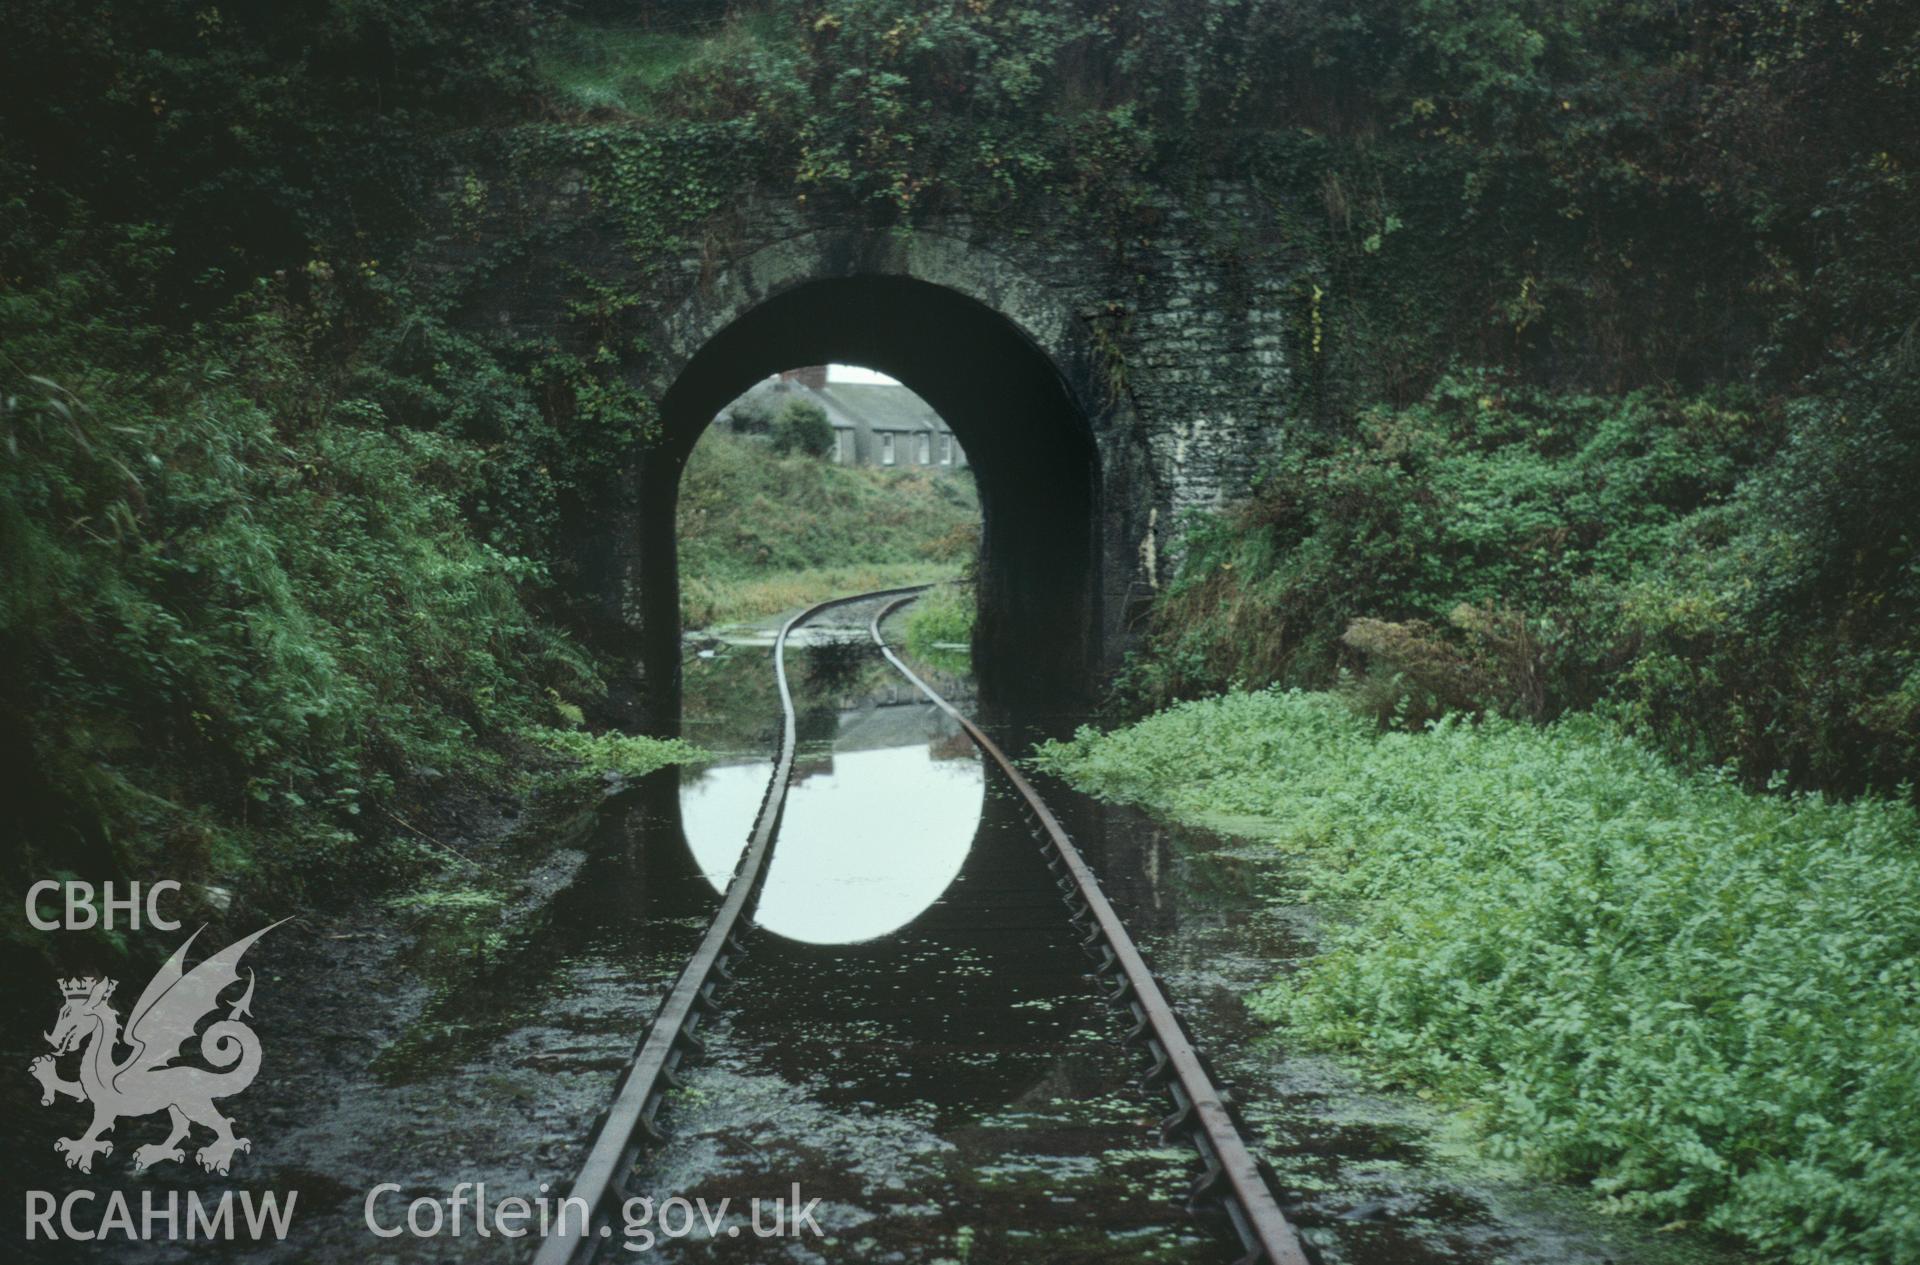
<point>1232,1175</point>
<point>627,1124</point>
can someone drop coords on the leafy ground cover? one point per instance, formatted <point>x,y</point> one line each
<point>1701,998</point>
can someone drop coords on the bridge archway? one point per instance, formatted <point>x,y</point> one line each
<point>1028,437</point>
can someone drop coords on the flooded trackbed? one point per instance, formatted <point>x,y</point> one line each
<point>914,1040</point>
<point>953,1090</point>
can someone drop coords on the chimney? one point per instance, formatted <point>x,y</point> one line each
<point>813,377</point>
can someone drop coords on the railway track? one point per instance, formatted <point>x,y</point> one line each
<point>1231,1179</point>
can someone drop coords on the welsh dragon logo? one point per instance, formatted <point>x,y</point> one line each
<point>147,1080</point>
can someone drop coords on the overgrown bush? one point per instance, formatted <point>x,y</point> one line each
<point>241,617</point>
<point>1781,633</point>
<point>1701,998</point>
<point>802,427</point>
<point>1736,582</point>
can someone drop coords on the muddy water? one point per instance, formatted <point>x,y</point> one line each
<point>913,1041</point>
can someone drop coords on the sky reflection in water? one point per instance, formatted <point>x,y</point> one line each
<point>866,845</point>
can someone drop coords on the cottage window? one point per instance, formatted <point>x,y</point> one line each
<point>926,449</point>
<point>946,450</point>
<point>886,448</point>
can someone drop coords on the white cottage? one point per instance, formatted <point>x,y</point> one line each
<point>874,423</point>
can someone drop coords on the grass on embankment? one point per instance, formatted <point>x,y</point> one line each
<point>762,533</point>
<point>710,602</point>
<point>1702,998</point>
<point>941,621</point>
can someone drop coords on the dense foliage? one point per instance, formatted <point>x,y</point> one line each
<point>255,596</point>
<point>1701,998</point>
<point>1506,500</point>
<point>1733,574</point>
<point>236,610</point>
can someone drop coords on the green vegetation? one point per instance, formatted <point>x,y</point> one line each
<point>941,619</point>
<point>1699,997</point>
<point>236,613</point>
<point>1537,506</point>
<point>248,625</point>
<point>590,755</point>
<point>802,428</point>
<point>762,532</point>
<point>707,602</point>
<point>1733,578</point>
<point>277,546</point>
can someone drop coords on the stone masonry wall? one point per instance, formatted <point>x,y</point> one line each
<point>1175,343</point>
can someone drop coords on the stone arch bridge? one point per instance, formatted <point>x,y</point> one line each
<point>1100,389</point>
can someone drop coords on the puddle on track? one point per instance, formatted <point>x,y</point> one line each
<point>924,1052</point>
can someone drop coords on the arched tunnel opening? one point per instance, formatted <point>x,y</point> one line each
<point>1030,446</point>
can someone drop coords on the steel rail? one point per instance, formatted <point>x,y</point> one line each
<point>1232,1174</point>
<point>628,1122</point>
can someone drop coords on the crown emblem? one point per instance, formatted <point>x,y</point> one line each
<point>82,986</point>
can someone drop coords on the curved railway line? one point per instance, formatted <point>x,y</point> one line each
<point>1231,1178</point>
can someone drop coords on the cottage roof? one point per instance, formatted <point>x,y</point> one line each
<point>882,407</point>
<point>848,406</point>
